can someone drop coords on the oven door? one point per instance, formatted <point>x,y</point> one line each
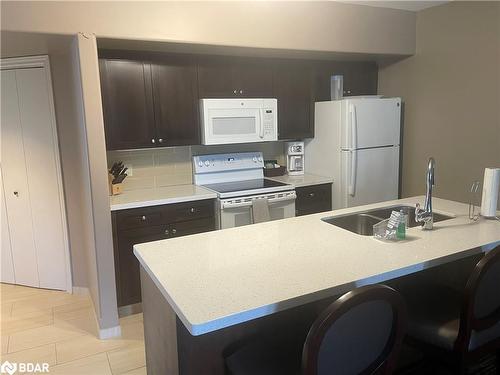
<point>235,212</point>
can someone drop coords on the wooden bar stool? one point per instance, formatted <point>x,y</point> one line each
<point>359,333</point>
<point>459,325</point>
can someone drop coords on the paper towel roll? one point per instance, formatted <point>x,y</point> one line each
<point>491,186</point>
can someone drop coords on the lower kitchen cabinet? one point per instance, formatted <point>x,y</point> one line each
<point>147,224</point>
<point>313,199</point>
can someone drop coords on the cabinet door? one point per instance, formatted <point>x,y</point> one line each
<point>253,78</point>
<point>176,101</point>
<point>127,266</point>
<point>292,84</point>
<point>127,103</point>
<point>215,78</point>
<point>229,77</point>
<point>313,199</point>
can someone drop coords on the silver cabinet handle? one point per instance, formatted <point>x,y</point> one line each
<point>160,140</point>
<point>153,140</point>
<point>174,231</point>
<point>143,218</point>
<point>235,91</point>
<point>241,91</point>
<point>311,195</point>
<point>192,210</point>
<point>167,232</point>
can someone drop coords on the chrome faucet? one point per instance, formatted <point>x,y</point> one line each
<point>425,216</point>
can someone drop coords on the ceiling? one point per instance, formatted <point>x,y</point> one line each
<point>410,5</point>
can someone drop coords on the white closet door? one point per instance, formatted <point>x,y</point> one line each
<point>41,168</point>
<point>15,182</point>
<point>7,267</point>
<point>32,180</point>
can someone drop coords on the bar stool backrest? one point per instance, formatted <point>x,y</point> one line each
<point>481,309</point>
<point>360,333</point>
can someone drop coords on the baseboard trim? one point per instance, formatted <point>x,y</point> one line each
<point>81,290</point>
<point>108,333</point>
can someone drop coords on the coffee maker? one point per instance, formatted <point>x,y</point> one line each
<point>295,158</point>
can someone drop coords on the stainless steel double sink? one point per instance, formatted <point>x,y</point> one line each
<point>362,222</point>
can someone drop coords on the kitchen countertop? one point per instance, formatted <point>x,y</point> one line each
<point>219,279</point>
<point>307,179</point>
<point>158,196</point>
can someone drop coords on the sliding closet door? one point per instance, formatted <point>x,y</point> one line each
<point>15,181</point>
<point>31,178</point>
<point>7,267</point>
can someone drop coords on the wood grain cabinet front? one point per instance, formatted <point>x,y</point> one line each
<point>138,225</point>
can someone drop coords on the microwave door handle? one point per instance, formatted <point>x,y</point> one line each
<point>261,125</point>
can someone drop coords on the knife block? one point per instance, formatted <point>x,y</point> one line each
<point>114,189</point>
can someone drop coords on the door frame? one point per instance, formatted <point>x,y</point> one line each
<point>42,61</point>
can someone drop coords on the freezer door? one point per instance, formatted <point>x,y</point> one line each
<point>369,176</point>
<point>370,123</point>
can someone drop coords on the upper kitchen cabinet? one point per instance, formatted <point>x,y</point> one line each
<point>293,87</point>
<point>127,103</point>
<point>175,96</point>
<point>231,77</point>
<point>151,102</point>
<point>360,78</point>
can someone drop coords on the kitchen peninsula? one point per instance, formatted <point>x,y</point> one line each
<point>203,293</point>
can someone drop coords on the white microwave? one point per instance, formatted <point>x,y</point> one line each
<point>226,121</point>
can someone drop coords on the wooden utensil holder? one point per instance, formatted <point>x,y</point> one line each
<point>114,189</point>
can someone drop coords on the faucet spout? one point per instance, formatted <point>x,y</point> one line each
<point>425,215</point>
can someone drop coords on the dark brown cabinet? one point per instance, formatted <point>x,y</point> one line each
<point>293,85</point>
<point>229,77</point>
<point>150,104</point>
<point>127,104</point>
<point>313,199</point>
<point>152,99</point>
<point>146,224</point>
<point>175,95</point>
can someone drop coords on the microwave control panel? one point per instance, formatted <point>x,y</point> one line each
<point>268,121</point>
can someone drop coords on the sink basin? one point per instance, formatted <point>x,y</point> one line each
<point>362,222</point>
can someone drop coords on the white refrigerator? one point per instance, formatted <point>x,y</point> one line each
<point>356,142</point>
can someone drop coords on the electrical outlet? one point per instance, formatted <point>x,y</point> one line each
<point>130,170</point>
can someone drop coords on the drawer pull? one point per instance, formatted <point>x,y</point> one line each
<point>311,195</point>
<point>174,231</point>
<point>192,210</point>
<point>143,218</point>
<point>167,232</point>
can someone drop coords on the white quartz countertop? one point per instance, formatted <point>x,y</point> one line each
<point>307,179</point>
<point>157,196</point>
<point>218,279</point>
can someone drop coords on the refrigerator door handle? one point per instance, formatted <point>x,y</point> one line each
<point>354,127</point>
<point>352,180</point>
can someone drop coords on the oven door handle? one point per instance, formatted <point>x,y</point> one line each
<point>248,202</point>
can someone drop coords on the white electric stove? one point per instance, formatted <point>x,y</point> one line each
<point>238,179</point>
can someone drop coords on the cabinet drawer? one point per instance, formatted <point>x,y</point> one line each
<point>185,228</point>
<point>140,217</point>
<point>313,199</point>
<point>189,210</point>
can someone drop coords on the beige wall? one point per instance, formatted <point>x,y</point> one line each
<point>451,89</point>
<point>307,25</point>
<point>100,253</point>
<point>71,143</point>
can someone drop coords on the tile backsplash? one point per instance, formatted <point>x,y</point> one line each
<point>168,166</point>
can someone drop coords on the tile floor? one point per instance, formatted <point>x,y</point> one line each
<point>40,325</point>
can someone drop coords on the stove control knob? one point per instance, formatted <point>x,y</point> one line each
<point>207,163</point>
<point>254,159</point>
<point>260,158</point>
<point>200,163</point>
